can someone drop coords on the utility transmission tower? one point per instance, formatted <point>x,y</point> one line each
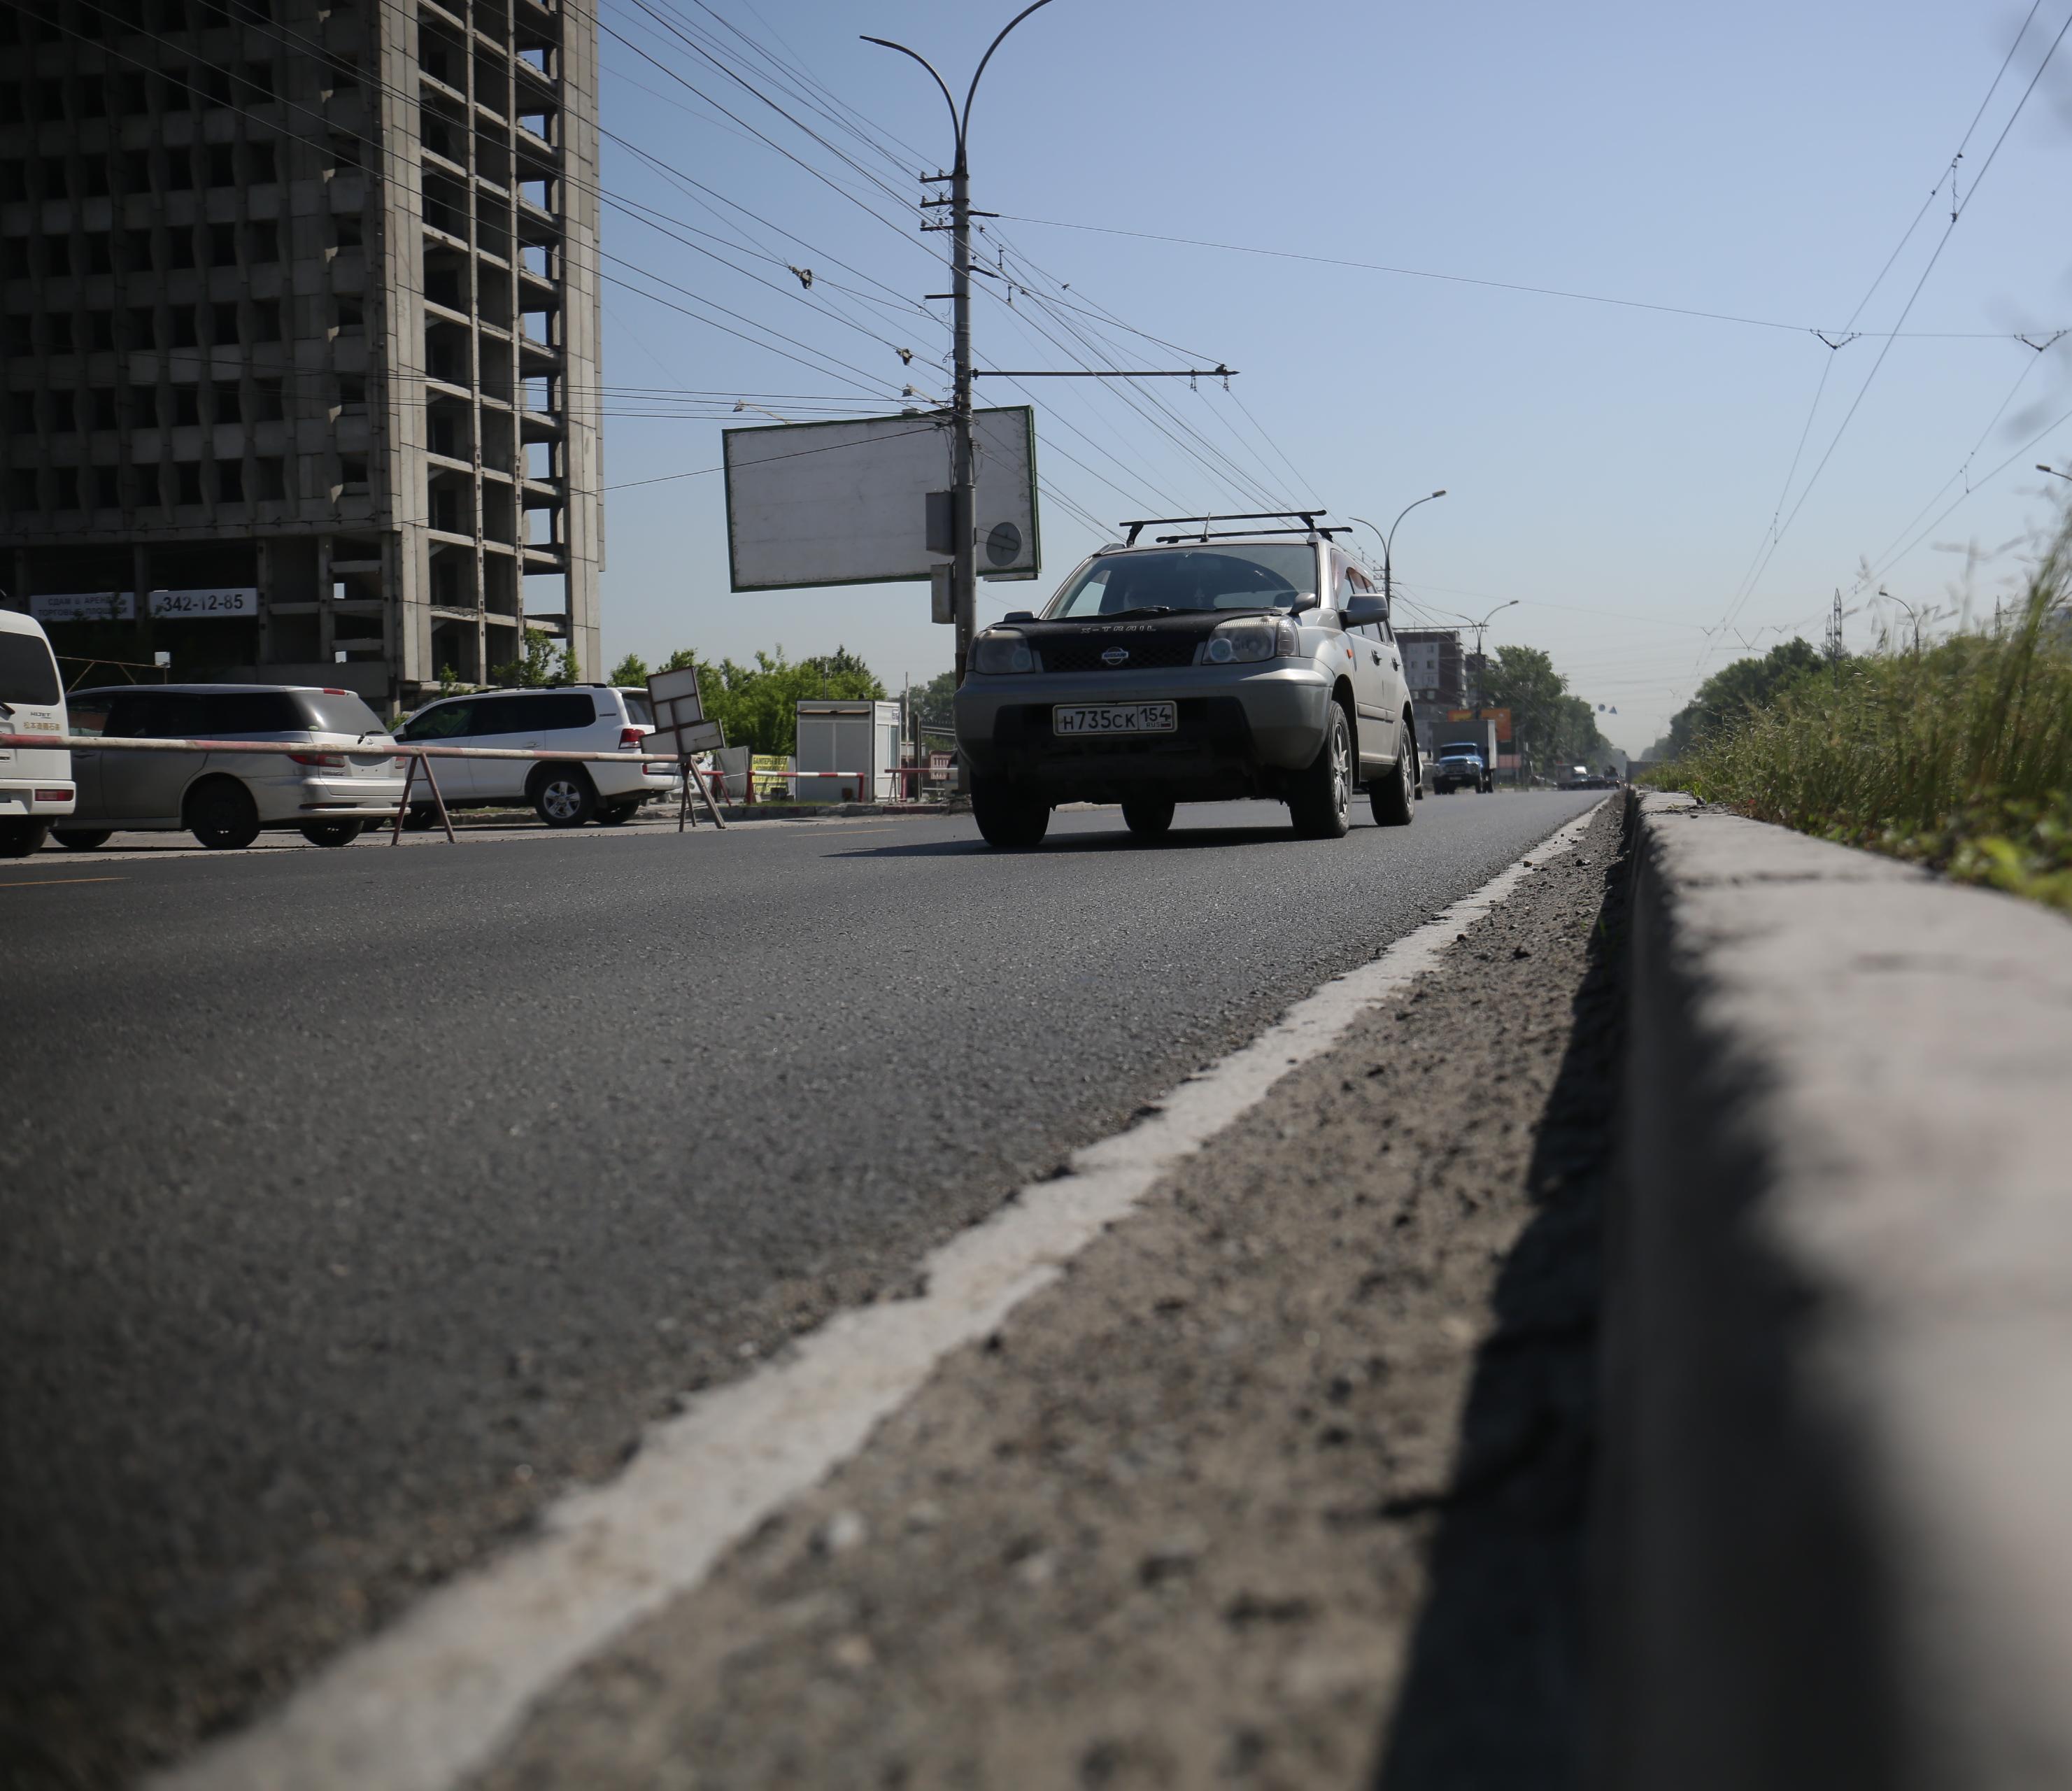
<point>1834,645</point>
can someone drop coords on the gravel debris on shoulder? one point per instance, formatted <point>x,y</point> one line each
<point>1283,1484</point>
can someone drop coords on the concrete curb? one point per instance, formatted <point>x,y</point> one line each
<point>1832,1547</point>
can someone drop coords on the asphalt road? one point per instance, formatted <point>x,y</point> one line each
<point>356,1201</point>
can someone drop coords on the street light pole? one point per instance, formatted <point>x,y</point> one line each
<point>2053,473</point>
<point>1388,544</point>
<point>1481,627</point>
<point>964,565</point>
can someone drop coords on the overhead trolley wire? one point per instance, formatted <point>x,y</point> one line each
<point>1958,206</point>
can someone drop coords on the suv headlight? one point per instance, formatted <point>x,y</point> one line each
<point>1001,650</point>
<point>1249,639</point>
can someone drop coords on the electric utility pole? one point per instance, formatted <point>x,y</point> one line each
<point>963,561</point>
<point>964,473</point>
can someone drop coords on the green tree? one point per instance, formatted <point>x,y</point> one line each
<point>1731,694</point>
<point>535,668</point>
<point>632,669</point>
<point>681,660</point>
<point>569,671</point>
<point>758,704</point>
<point>932,700</point>
<point>1551,728</point>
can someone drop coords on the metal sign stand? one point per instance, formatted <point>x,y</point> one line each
<point>403,801</point>
<point>680,724</point>
<point>693,779</point>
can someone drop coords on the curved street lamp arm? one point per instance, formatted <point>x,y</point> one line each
<point>955,126</point>
<point>1390,539</point>
<point>972,93</point>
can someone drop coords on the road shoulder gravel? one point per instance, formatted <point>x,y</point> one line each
<point>1283,1482</point>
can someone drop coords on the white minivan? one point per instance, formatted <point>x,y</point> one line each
<point>35,783</point>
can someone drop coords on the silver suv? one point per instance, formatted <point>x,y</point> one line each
<point>581,718</point>
<point>1200,667</point>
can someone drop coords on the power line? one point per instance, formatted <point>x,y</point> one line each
<point>1501,286</point>
<point>1767,552</point>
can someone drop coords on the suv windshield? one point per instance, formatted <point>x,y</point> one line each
<point>1224,577</point>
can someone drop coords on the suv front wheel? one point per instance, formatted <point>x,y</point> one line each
<point>1393,795</point>
<point>563,794</point>
<point>1009,821</point>
<point>1320,803</point>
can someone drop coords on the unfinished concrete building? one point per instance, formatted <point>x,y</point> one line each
<point>300,310</point>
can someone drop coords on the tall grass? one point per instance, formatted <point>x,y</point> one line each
<point>1958,754</point>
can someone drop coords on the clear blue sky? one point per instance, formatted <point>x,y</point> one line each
<point>1617,469</point>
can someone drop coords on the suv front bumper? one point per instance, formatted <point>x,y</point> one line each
<point>1241,729</point>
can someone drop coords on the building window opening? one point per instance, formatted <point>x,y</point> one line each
<point>187,478</point>
<point>227,409</point>
<point>187,406</point>
<point>230,481</point>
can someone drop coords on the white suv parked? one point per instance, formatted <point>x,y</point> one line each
<point>581,718</point>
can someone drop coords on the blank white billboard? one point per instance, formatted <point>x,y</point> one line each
<point>846,502</point>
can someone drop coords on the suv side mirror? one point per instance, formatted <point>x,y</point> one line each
<point>1362,609</point>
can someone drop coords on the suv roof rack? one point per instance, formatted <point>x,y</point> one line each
<point>1246,534</point>
<point>1308,518</point>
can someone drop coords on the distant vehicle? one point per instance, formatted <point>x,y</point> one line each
<point>321,786</point>
<point>1461,767</point>
<point>1200,667</point>
<point>1576,777</point>
<point>35,785</point>
<point>581,718</point>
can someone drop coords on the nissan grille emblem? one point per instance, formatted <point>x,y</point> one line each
<point>1115,655</point>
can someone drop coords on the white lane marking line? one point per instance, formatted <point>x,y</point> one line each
<point>431,1700</point>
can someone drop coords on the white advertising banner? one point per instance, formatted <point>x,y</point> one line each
<point>85,606</point>
<point>221,600</point>
<point>847,503</point>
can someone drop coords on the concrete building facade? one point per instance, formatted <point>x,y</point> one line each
<point>1432,668</point>
<point>299,306</point>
